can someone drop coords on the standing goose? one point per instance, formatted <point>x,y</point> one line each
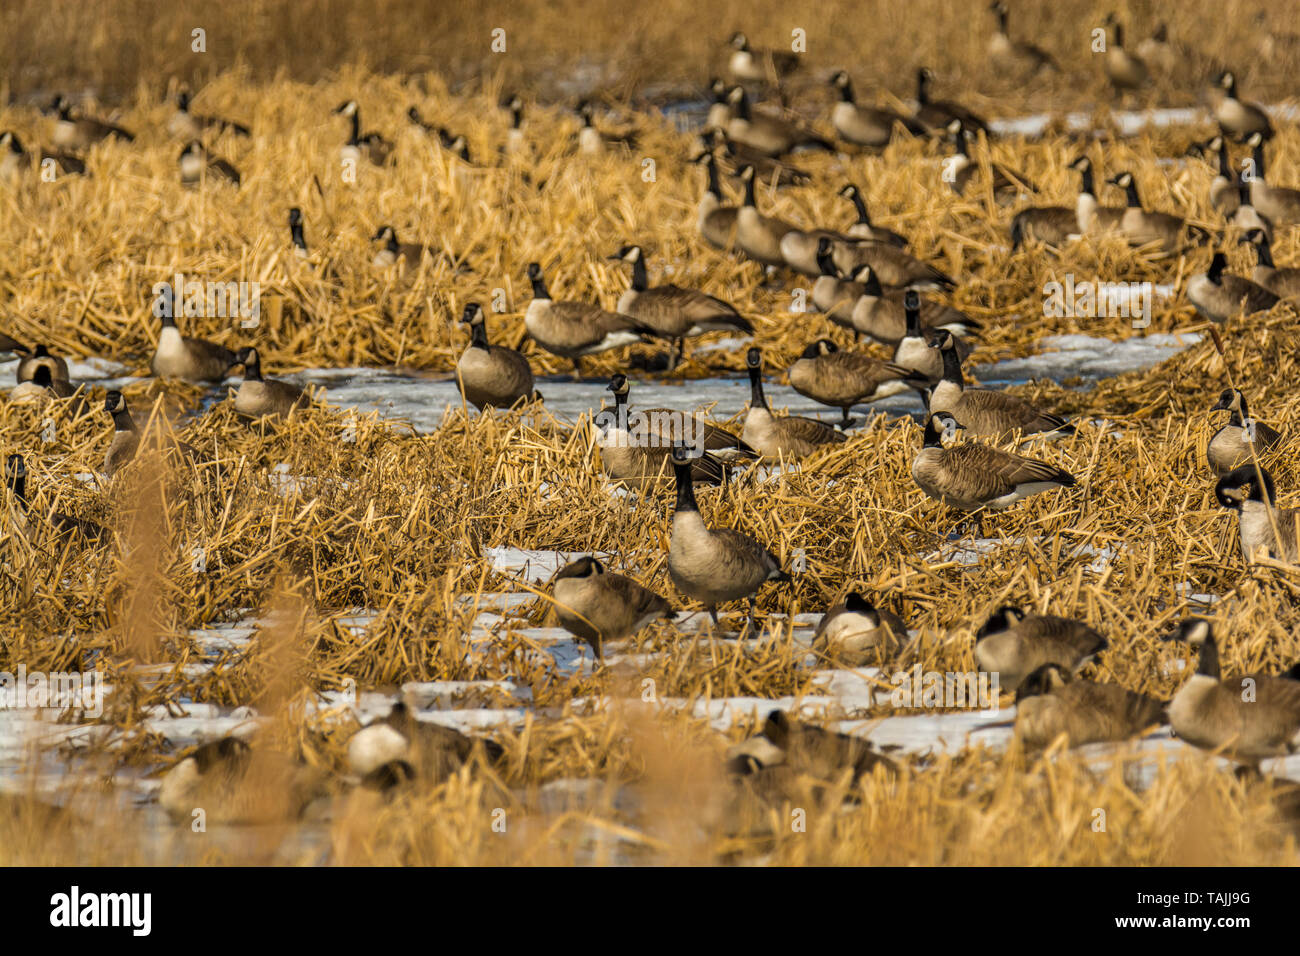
<point>1246,217</point>
<point>41,387</point>
<point>674,312</point>
<point>773,135</point>
<point>197,165</point>
<point>81,132</point>
<point>63,524</point>
<point>1013,645</point>
<point>295,233</point>
<point>1141,227</point>
<point>1236,443</point>
<point>833,296</point>
<point>1238,118</point>
<point>433,751</point>
<point>635,448</point>
<point>864,125</point>
<point>1265,529</point>
<point>786,436</point>
<point>1218,714</point>
<point>1093,218</point>
<point>1125,71</point>
<point>370,145</point>
<point>913,351</point>
<point>713,565</point>
<point>1015,59</point>
<point>715,221</point>
<point>16,162</point>
<point>1279,203</point>
<point>863,228</point>
<point>972,476</point>
<point>856,633</point>
<point>183,357</point>
<point>983,412</point>
<point>186,125</point>
<point>759,236</point>
<point>934,115</point>
<point>1220,296</point>
<point>1284,283</point>
<point>598,606</point>
<point>844,379</point>
<point>491,375</point>
<point>34,358</point>
<point>575,329</point>
<point>259,397</point>
<point>758,66</point>
<point>126,437</point>
<point>884,317</point>
<point>1223,188</point>
<point>234,785</point>
<point>960,169</point>
<point>1049,703</point>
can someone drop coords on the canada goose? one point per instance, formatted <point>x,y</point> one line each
<point>960,169</point>
<point>683,427</point>
<point>1263,527</point>
<point>232,784</point>
<point>833,296</point>
<point>598,606</point>
<point>1220,295</point>
<point>1013,644</point>
<point>759,236</point>
<point>196,165</point>
<point>856,633</point>
<point>864,125</point>
<point>1050,225</point>
<point>1279,203</point>
<point>1016,58</point>
<point>1092,217</point>
<point>779,436</point>
<point>713,565</point>
<point>1141,227</point>
<point>126,437</point>
<point>844,379</point>
<point>16,480</point>
<point>295,233</point>
<point>883,317</point>
<point>515,142</point>
<point>913,352</point>
<point>575,329</point>
<point>1217,714</point>
<point>1246,217</point>
<point>1049,703</point>
<point>984,412</point>
<point>719,108</point>
<point>934,115</point>
<point>863,228</point>
<point>1238,118</point>
<point>892,266</point>
<point>491,375</point>
<point>1159,55</point>
<point>635,448</point>
<point>41,387</point>
<point>733,157</point>
<point>434,751</point>
<point>413,114</point>
<point>370,145</point>
<point>972,476</point>
<point>411,253</point>
<point>592,141</point>
<point>36,357</point>
<point>715,221</point>
<point>1235,444</point>
<point>186,125</point>
<point>808,749</point>
<point>259,397</point>
<point>81,132</point>
<point>773,135</point>
<point>1223,188</point>
<point>674,312</point>
<point>752,66</point>
<point>191,359</point>
<point>1284,283</point>
<point>15,160</point>
<point>1125,71</point>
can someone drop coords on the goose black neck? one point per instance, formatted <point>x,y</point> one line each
<point>685,490</point>
<point>539,288</point>
<point>922,89</point>
<point>846,92</point>
<point>1215,272</point>
<point>1131,191</point>
<point>826,263</point>
<point>749,189</point>
<point>122,420</point>
<point>1086,186</point>
<point>961,143</point>
<point>393,245</point>
<point>295,230</point>
<point>1002,20</point>
<point>1265,250</point>
<point>872,285</point>
<point>169,315</point>
<point>952,365</point>
<point>933,436</point>
<point>913,321</point>
<point>640,281</point>
<point>516,117</point>
<point>253,368</point>
<point>1224,169</point>
<point>861,207</point>
<point>620,403</point>
<point>1119,36</point>
<point>1230,88</point>
<point>478,336</point>
<point>1257,157</point>
<point>18,485</point>
<point>1208,665</point>
<point>356,127</point>
<point>756,397</point>
<point>742,108</point>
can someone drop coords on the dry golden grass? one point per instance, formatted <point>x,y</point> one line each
<point>388,519</point>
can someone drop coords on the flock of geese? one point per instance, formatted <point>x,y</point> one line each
<point>865,281</point>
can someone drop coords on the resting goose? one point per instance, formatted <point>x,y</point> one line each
<point>232,784</point>
<point>434,751</point>
<point>864,125</point>
<point>260,397</point>
<point>1143,228</point>
<point>191,359</point>
<point>81,132</point>
<point>1093,218</point>
<point>1220,296</point>
<point>1051,703</point>
<point>934,115</point>
<point>1265,529</point>
<point>491,376</point>
<point>371,145</point>
<point>1013,644</point>
<point>1236,443</point>
<point>1238,118</point>
<point>855,633</point>
<point>771,135</point>
<point>777,437</point>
